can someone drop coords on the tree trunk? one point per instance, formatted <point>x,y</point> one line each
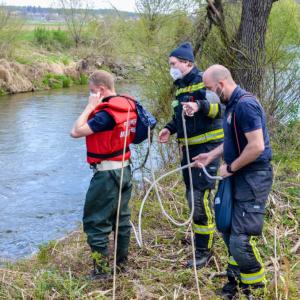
<point>249,45</point>
<point>245,53</point>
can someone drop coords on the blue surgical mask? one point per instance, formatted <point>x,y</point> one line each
<point>176,73</point>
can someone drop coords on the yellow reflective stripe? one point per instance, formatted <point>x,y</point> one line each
<point>209,216</point>
<point>232,261</point>
<point>210,241</point>
<point>204,229</point>
<point>258,276</point>
<point>255,251</point>
<point>252,281</point>
<point>253,277</point>
<point>190,88</point>
<point>203,138</point>
<point>175,103</point>
<point>207,208</point>
<point>206,135</point>
<point>206,139</point>
<point>250,275</point>
<point>213,110</point>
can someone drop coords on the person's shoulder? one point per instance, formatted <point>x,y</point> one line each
<point>198,74</point>
<point>248,100</point>
<point>198,80</point>
<point>248,106</point>
<point>102,114</point>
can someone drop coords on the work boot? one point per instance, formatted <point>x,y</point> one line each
<point>202,259</point>
<point>252,291</point>
<point>101,270</point>
<point>229,290</point>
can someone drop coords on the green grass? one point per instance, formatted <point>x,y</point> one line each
<point>158,270</point>
<point>55,81</point>
<point>26,36</point>
<point>83,80</point>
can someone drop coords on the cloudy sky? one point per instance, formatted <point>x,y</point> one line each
<point>127,5</point>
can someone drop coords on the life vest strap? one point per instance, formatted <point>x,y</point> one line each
<point>108,155</point>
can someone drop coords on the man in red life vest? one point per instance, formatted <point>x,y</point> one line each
<point>108,122</point>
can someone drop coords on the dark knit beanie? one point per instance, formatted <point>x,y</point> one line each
<point>184,51</point>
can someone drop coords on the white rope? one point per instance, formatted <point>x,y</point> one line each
<point>138,234</point>
<point>194,264</point>
<point>193,203</point>
<point>118,209</point>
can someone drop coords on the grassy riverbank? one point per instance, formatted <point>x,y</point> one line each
<point>59,269</point>
<point>44,56</point>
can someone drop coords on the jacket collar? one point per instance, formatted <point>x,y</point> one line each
<point>235,96</point>
<point>106,99</point>
<point>188,78</point>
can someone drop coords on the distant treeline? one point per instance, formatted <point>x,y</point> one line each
<point>49,10</point>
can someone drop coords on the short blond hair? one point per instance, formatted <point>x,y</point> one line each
<point>103,78</point>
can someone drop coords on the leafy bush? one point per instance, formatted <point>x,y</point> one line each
<point>62,38</point>
<point>52,39</point>
<point>42,36</point>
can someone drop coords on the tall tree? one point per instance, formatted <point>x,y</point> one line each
<point>245,52</point>
<point>250,42</point>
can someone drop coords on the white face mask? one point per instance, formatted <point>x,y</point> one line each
<point>95,94</point>
<point>176,73</point>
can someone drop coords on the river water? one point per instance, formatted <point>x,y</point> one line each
<point>43,173</point>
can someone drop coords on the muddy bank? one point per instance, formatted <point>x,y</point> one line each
<point>19,78</point>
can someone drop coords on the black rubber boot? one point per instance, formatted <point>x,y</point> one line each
<point>229,290</point>
<point>101,271</point>
<point>122,264</point>
<point>202,259</point>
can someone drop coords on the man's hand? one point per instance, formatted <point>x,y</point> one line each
<point>81,127</point>
<point>190,108</point>
<point>203,159</point>
<point>94,101</point>
<point>223,171</point>
<point>164,135</point>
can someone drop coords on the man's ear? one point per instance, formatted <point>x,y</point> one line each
<point>222,84</point>
<point>102,89</point>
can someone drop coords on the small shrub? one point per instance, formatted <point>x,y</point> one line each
<point>42,36</point>
<point>83,79</point>
<point>56,81</point>
<point>61,38</point>
<point>45,252</point>
<point>52,39</point>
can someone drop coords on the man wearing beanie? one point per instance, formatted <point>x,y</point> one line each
<point>204,133</point>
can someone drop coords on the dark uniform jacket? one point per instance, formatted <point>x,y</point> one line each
<point>206,125</point>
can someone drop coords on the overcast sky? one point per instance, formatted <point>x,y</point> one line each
<point>127,5</point>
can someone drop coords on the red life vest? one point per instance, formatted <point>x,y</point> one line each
<point>109,144</point>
